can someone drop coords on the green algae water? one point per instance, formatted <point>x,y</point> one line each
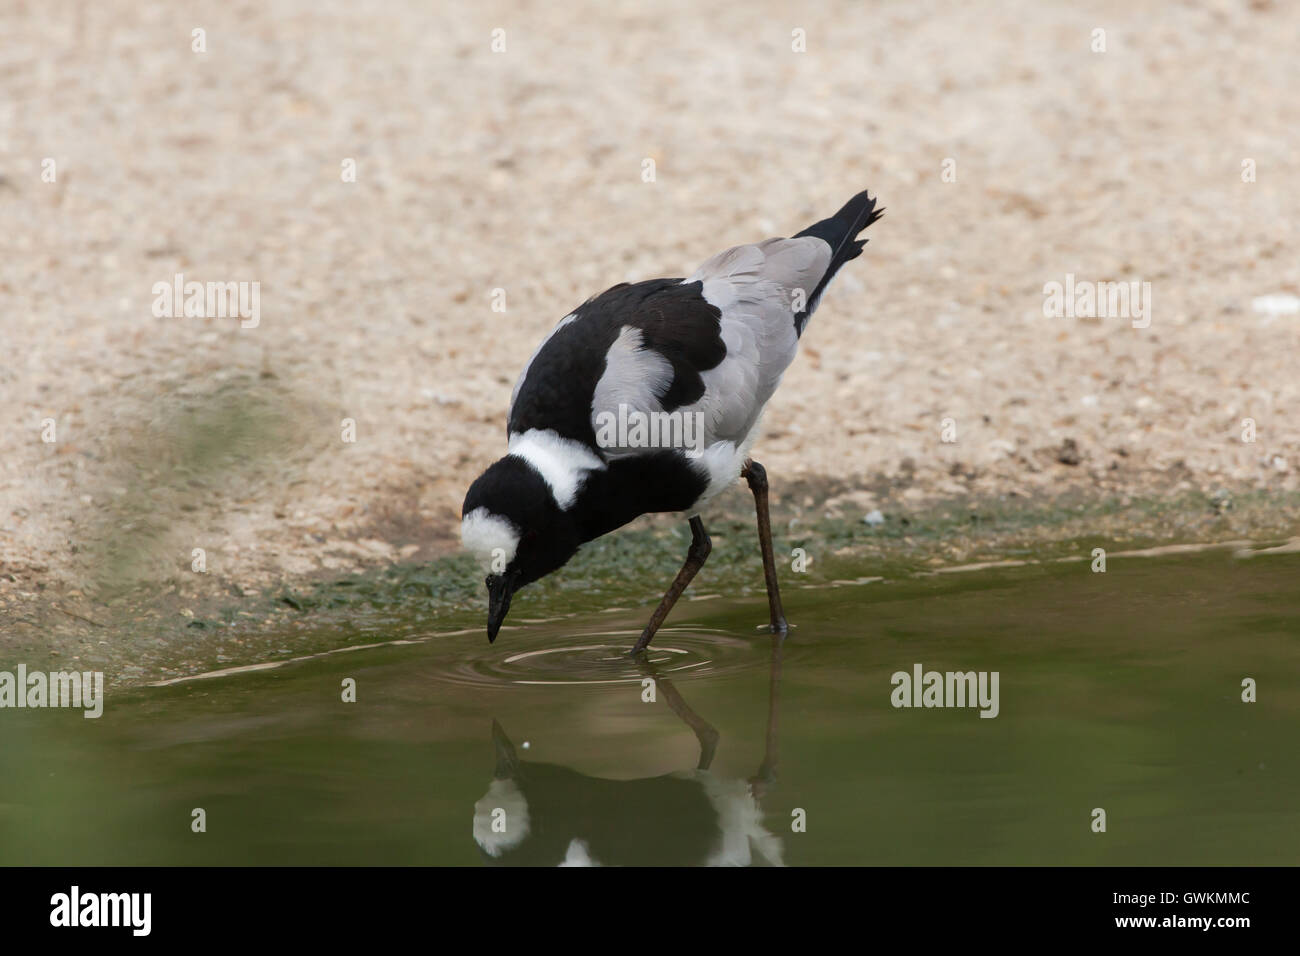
<point>1119,692</point>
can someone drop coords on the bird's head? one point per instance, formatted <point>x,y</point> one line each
<point>512,525</point>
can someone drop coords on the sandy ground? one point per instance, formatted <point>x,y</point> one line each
<point>522,171</point>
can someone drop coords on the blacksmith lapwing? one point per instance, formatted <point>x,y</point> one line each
<point>646,399</point>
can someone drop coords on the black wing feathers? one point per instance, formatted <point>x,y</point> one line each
<point>675,321</point>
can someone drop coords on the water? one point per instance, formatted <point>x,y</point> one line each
<point>1119,691</point>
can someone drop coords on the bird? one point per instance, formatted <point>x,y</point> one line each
<point>544,814</point>
<point>646,399</point>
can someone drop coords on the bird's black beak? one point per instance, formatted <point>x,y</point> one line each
<point>501,587</point>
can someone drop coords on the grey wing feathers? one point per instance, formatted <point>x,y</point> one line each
<point>716,343</point>
<point>758,288</point>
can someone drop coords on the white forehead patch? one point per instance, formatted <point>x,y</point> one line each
<point>490,538</point>
<point>505,806</point>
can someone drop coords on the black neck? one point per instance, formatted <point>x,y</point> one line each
<point>631,487</point>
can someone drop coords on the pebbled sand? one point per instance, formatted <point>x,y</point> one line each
<point>522,171</point>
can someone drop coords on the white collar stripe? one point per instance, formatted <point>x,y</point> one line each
<point>562,462</point>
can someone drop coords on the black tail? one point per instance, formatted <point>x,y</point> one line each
<point>840,232</point>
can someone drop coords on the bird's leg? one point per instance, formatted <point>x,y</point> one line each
<point>705,732</point>
<point>756,475</point>
<point>695,557</point>
<point>766,776</point>
<point>764,843</point>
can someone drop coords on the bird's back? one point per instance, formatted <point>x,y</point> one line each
<point>715,344</point>
<point>676,334</point>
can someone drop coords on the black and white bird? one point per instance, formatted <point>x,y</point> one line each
<point>635,363</point>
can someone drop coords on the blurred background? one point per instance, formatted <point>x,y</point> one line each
<point>523,170</point>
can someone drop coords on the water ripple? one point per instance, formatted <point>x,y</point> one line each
<point>600,657</point>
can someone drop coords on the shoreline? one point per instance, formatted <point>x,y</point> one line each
<point>203,623</point>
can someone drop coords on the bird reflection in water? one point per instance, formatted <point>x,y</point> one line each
<point>537,814</point>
